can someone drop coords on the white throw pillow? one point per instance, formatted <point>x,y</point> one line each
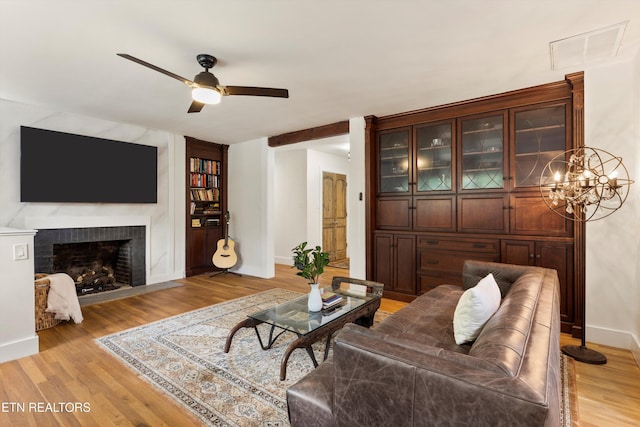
<point>475,307</point>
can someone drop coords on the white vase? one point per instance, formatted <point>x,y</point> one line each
<point>314,302</point>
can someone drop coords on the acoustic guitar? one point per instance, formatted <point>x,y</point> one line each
<point>225,256</point>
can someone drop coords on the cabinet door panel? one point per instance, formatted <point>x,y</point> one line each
<point>435,214</point>
<point>393,213</point>
<point>383,259</point>
<point>434,157</point>
<point>482,214</point>
<point>483,152</point>
<point>559,256</point>
<point>530,215</point>
<point>195,251</point>
<point>520,252</point>
<point>405,277</point>
<point>539,135</point>
<point>394,162</point>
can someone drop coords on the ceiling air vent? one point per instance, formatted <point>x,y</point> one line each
<point>587,47</point>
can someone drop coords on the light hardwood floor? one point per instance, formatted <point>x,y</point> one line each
<point>72,370</point>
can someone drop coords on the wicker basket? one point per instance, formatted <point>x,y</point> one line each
<point>44,320</point>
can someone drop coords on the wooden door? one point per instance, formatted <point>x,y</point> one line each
<point>334,215</point>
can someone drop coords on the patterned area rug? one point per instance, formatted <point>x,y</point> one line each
<point>183,357</point>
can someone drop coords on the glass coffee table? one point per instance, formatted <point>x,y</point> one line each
<point>311,327</point>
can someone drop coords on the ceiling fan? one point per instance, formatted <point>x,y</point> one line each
<point>205,87</point>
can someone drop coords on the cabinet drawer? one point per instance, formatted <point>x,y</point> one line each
<point>451,261</point>
<point>426,282</point>
<point>474,245</point>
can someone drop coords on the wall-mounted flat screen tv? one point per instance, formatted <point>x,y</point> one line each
<point>62,167</point>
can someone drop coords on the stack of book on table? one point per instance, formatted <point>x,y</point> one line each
<point>330,300</point>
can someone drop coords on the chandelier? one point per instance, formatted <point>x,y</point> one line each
<point>585,184</point>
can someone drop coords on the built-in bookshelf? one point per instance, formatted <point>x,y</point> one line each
<point>206,201</point>
<point>204,178</point>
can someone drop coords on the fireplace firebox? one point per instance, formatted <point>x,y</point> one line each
<point>97,258</point>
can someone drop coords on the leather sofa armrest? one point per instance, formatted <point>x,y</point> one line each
<point>378,382</point>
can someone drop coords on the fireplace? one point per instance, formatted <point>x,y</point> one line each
<point>97,258</point>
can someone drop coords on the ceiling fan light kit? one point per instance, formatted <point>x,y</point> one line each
<point>205,87</point>
<point>206,95</point>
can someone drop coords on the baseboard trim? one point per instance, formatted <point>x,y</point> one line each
<point>283,260</point>
<point>610,337</point>
<point>17,349</point>
<point>167,277</point>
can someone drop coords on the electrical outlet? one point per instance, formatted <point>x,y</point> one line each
<point>20,251</point>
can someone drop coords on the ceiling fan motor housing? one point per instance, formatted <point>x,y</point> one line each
<point>206,78</point>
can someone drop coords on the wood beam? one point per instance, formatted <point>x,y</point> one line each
<point>333,129</point>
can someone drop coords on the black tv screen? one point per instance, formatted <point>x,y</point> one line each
<point>62,167</point>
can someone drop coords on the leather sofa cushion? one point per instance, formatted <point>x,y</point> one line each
<point>427,320</point>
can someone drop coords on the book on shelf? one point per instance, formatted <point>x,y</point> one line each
<point>205,194</point>
<point>195,222</point>
<point>204,166</point>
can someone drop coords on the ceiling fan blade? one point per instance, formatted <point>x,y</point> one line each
<point>254,91</point>
<point>195,107</point>
<point>153,67</point>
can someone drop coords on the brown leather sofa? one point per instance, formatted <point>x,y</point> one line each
<point>408,370</point>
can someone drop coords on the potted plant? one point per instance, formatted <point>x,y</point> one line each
<point>311,263</point>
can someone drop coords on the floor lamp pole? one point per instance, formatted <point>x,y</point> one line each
<point>580,352</point>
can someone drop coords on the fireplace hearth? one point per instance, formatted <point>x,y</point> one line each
<point>98,259</point>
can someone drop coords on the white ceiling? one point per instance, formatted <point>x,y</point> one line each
<point>338,58</point>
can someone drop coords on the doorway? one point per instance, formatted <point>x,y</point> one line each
<point>334,215</point>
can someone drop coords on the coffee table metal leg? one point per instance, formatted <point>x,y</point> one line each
<point>327,346</point>
<point>272,339</point>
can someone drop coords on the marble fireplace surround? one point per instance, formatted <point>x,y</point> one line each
<point>48,223</point>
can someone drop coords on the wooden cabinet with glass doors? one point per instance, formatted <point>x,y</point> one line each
<point>462,181</point>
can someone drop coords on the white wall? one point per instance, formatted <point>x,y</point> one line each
<point>18,336</point>
<point>299,219</point>
<point>290,199</point>
<point>165,219</point>
<point>251,205</point>
<point>357,207</point>
<point>613,243</point>
<point>317,163</point>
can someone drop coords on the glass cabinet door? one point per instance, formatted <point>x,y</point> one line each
<point>540,135</point>
<point>433,158</point>
<point>394,164</point>
<point>483,153</point>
